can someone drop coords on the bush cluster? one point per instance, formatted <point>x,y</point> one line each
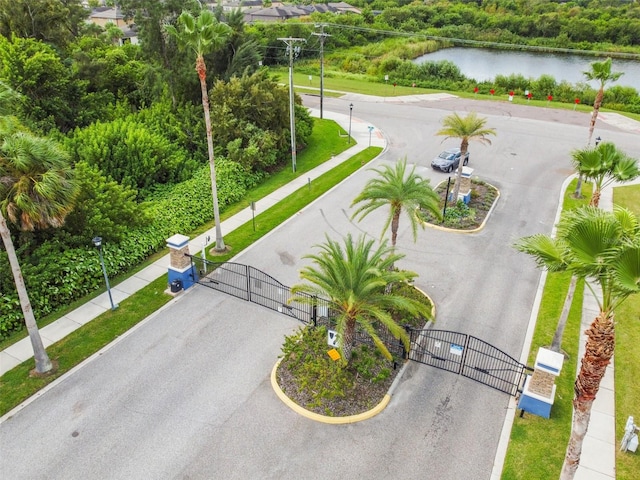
<point>309,376</point>
<point>56,274</point>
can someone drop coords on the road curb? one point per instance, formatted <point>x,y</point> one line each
<point>323,418</point>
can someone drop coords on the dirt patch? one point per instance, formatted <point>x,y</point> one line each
<point>364,395</point>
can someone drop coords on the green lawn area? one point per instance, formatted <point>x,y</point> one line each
<point>537,446</point>
<point>16,385</point>
<point>348,82</point>
<point>627,356</point>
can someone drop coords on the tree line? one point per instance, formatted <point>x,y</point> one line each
<point>128,124</point>
<point>130,118</point>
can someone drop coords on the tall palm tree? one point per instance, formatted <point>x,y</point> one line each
<point>202,35</point>
<point>466,129</point>
<point>36,191</point>
<point>353,279</point>
<point>604,165</point>
<point>601,72</point>
<point>401,191</point>
<point>605,248</point>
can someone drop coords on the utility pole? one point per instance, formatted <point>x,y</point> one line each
<point>322,36</point>
<point>292,115</point>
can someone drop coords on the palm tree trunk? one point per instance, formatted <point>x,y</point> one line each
<point>43,364</point>
<point>577,193</point>
<point>598,353</point>
<point>592,125</point>
<point>595,198</point>
<point>395,223</point>
<point>597,103</point>
<point>202,74</point>
<point>348,339</point>
<point>456,188</point>
<point>556,343</point>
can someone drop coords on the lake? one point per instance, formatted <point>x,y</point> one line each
<point>484,64</point>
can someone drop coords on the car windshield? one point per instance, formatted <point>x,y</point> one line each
<point>446,155</point>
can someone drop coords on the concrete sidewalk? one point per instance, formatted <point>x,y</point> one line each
<point>22,351</point>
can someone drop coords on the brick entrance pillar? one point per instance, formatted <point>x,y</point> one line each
<point>181,274</point>
<point>465,185</point>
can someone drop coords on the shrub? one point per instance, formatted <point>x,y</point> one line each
<point>56,275</point>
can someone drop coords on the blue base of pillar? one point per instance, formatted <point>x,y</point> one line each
<point>187,277</point>
<point>535,406</point>
<point>465,198</point>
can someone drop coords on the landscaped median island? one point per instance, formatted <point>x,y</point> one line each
<point>461,216</point>
<point>311,378</point>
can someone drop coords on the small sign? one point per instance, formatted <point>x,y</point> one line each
<point>386,78</point>
<point>332,338</point>
<point>334,354</point>
<point>253,206</point>
<point>456,349</point>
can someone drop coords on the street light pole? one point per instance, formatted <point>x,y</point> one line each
<point>350,113</point>
<point>97,242</point>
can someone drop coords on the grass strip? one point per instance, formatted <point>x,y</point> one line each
<point>627,356</point>
<point>537,445</point>
<point>16,385</point>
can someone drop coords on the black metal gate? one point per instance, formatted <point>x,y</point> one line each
<point>452,351</point>
<point>251,284</point>
<point>469,356</point>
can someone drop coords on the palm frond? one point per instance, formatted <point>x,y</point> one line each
<point>549,253</point>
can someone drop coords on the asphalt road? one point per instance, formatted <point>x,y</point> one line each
<point>186,394</point>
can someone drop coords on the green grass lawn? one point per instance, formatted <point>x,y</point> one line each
<point>346,82</point>
<point>16,385</point>
<point>627,356</point>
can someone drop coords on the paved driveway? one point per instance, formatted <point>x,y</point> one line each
<point>187,394</point>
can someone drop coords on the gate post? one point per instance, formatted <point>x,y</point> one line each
<point>405,353</point>
<point>314,311</point>
<point>181,273</point>
<point>248,284</point>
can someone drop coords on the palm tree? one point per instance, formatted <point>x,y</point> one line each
<point>604,165</point>
<point>605,248</point>
<point>202,35</point>
<point>36,191</point>
<point>353,279</point>
<point>400,191</point>
<point>466,129</point>
<point>600,71</point>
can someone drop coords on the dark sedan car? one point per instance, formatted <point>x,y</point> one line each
<point>449,160</point>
